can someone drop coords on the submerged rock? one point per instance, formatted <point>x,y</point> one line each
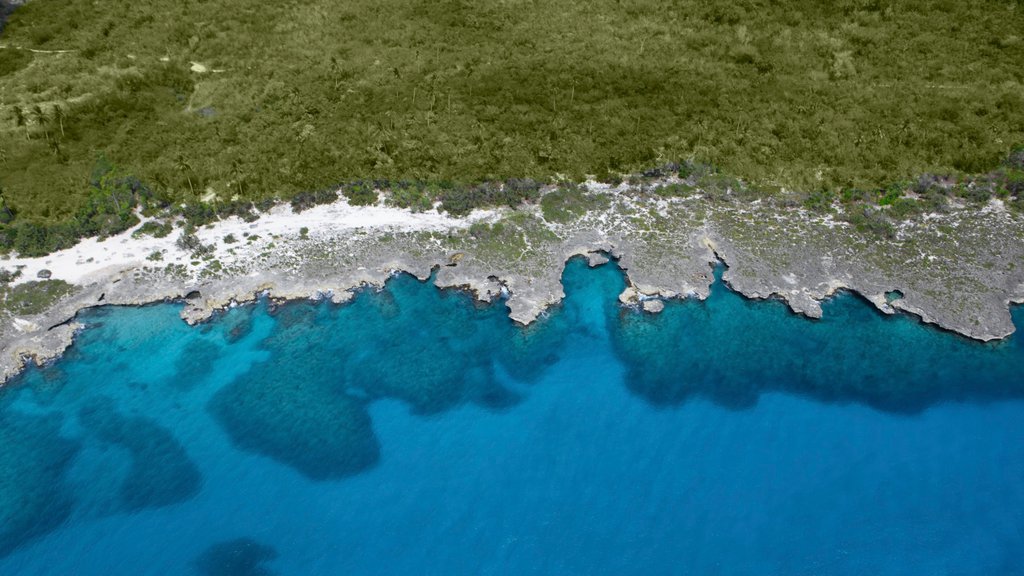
<point>238,557</point>
<point>653,306</point>
<point>595,259</point>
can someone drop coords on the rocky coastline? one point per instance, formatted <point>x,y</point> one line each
<point>958,270</point>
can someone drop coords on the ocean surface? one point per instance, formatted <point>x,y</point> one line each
<point>413,431</point>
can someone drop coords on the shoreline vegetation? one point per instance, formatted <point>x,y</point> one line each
<point>116,201</point>
<point>954,267</point>
<point>473,104</point>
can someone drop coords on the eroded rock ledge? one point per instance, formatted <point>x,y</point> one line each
<point>959,270</point>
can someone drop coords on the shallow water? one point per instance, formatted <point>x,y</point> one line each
<point>415,432</point>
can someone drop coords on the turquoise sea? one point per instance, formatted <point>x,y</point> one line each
<point>413,431</point>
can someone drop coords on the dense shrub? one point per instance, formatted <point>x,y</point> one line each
<point>569,202</point>
<point>934,200</point>
<point>198,213</point>
<point>1015,160</point>
<point>154,228</point>
<point>675,190</point>
<point>416,196</point>
<point>244,209</point>
<point>903,208</point>
<point>460,200</point>
<point>361,193</point>
<point>519,190</point>
<point>870,219</point>
<point>976,192</point>
<point>1013,182</point>
<point>189,242</point>
<point>13,60</point>
<point>306,200</point>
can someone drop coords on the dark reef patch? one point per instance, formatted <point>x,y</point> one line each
<point>730,350</point>
<point>299,420</point>
<point>238,557</point>
<point>161,472</point>
<point>47,383</point>
<point>232,324</point>
<point>33,463</point>
<point>432,349</point>
<point>237,325</point>
<point>195,363</point>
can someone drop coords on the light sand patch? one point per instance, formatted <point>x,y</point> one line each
<point>92,256</point>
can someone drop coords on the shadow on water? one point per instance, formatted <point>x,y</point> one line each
<point>238,557</point>
<point>730,350</point>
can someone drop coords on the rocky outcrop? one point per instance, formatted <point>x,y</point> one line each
<point>959,271</point>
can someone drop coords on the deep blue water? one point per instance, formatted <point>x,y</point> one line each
<point>415,432</point>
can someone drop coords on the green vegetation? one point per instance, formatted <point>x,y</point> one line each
<point>191,243</point>
<point>153,228</point>
<point>511,239</point>
<point>33,297</point>
<point>568,203</point>
<point>461,200</point>
<point>108,208</point>
<point>361,193</point>
<point>8,276</point>
<point>305,200</point>
<point>416,196</point>
<point>223,104</point>
<point>498,237</point>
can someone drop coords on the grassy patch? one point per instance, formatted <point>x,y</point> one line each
<point>154,228</point>
<point>33,297</point>
<point>514,237</point>
<point>567,203</point>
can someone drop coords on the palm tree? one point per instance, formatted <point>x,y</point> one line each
<point>183,166</point>
<point>41,119</point>
<point>60,115</point>
<point>39,115</point>
<point>19,117</point>
<point>6,214</point>
<point>20,120</point>
<point>237,175</point>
